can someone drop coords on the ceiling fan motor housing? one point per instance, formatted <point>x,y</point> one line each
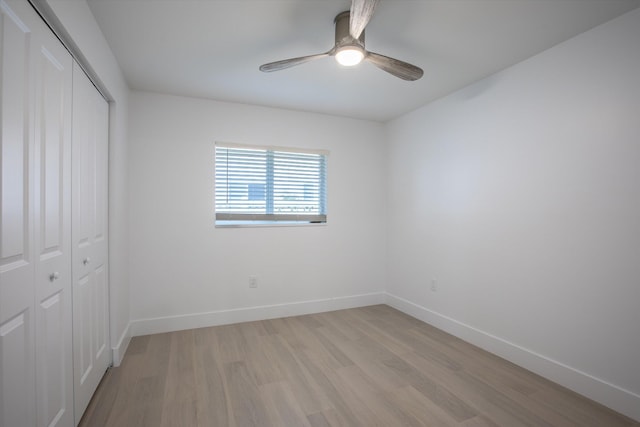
<point>343,36</point>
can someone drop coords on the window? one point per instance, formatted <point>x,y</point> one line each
<point>266,185</point>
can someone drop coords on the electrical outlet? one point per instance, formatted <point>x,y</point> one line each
<point>434,285</point>
<point>253,282</point>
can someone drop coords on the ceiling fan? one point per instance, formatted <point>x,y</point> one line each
<point>349,45</point>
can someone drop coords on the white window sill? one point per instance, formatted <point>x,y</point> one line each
<point>251,224</point>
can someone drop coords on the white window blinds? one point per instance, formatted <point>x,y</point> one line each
<point>258,184</point>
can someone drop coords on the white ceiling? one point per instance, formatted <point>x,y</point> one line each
<point>213,48</point>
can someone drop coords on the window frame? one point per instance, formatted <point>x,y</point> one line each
<point>228,219</point>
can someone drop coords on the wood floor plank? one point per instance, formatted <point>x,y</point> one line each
<point>338,355</point>
<point>335,397</point>
<point>318,420</point>
<point>305,387</point>
<point>496,404</point>
<point>377,402</point>
<point>302,338</point>
<point>330,417</point>
<point>211,394</point>
<point>474,398</point>
<point>100,406</point>
<point>232,346</point>
<point>383,377</point>
<point>121,410</point>
<point>432,390</point>
<point>268,328</point>
<point>578,409</point>
<point>479,421</point>
<point>262,360</point>
<point>179,413</point>
<point>546,412</point>
<point>150,393</point>
<point>417,409</point>
<point>504,402</point>
<point>282,406</point>
<point>368,366</point>
<point>340,326</point>
<point>248,407</point>
<point>355,409</point>
<point>155,360</point>
<point>582,411</point>
<point>181,379</point>
<point>378,331</point>
<point>139,345</point>
<point>311,321</point>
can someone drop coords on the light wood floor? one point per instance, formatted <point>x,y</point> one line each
<point>372,366</point>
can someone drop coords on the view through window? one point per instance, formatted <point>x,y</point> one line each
<point>262,185</point>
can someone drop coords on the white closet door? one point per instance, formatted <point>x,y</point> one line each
<point>89,236</point>
<point>17,267</point>
<point>52,228</point>
<point>35,215</point>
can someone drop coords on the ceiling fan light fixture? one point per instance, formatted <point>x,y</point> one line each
<point>349,45</point>
<point>350,56</point>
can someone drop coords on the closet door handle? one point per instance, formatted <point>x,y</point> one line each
<point>54,276</point>
<point>86,261</point>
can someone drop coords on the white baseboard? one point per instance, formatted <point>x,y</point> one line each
<point>610,395</point>
<point>121,348</point>
<point>248,314</point>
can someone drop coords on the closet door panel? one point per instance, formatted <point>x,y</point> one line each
<point>83,190</point>
<point>54,367</point>
<point>15,41</point>
<point>16,355</point>
<point>89,239</point>
<point>83,325</point>
<point>101,315</point>
<point>100,241</point>
<point>51,376</point>
<point>17,345</point>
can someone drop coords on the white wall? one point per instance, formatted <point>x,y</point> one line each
<point>78,21</point>
<point>182,266</point>
<point>520,195</point>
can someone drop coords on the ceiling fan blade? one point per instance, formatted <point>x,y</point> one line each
<point>394,66</point>
<point>361,13</point>
<point>286,63</point>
